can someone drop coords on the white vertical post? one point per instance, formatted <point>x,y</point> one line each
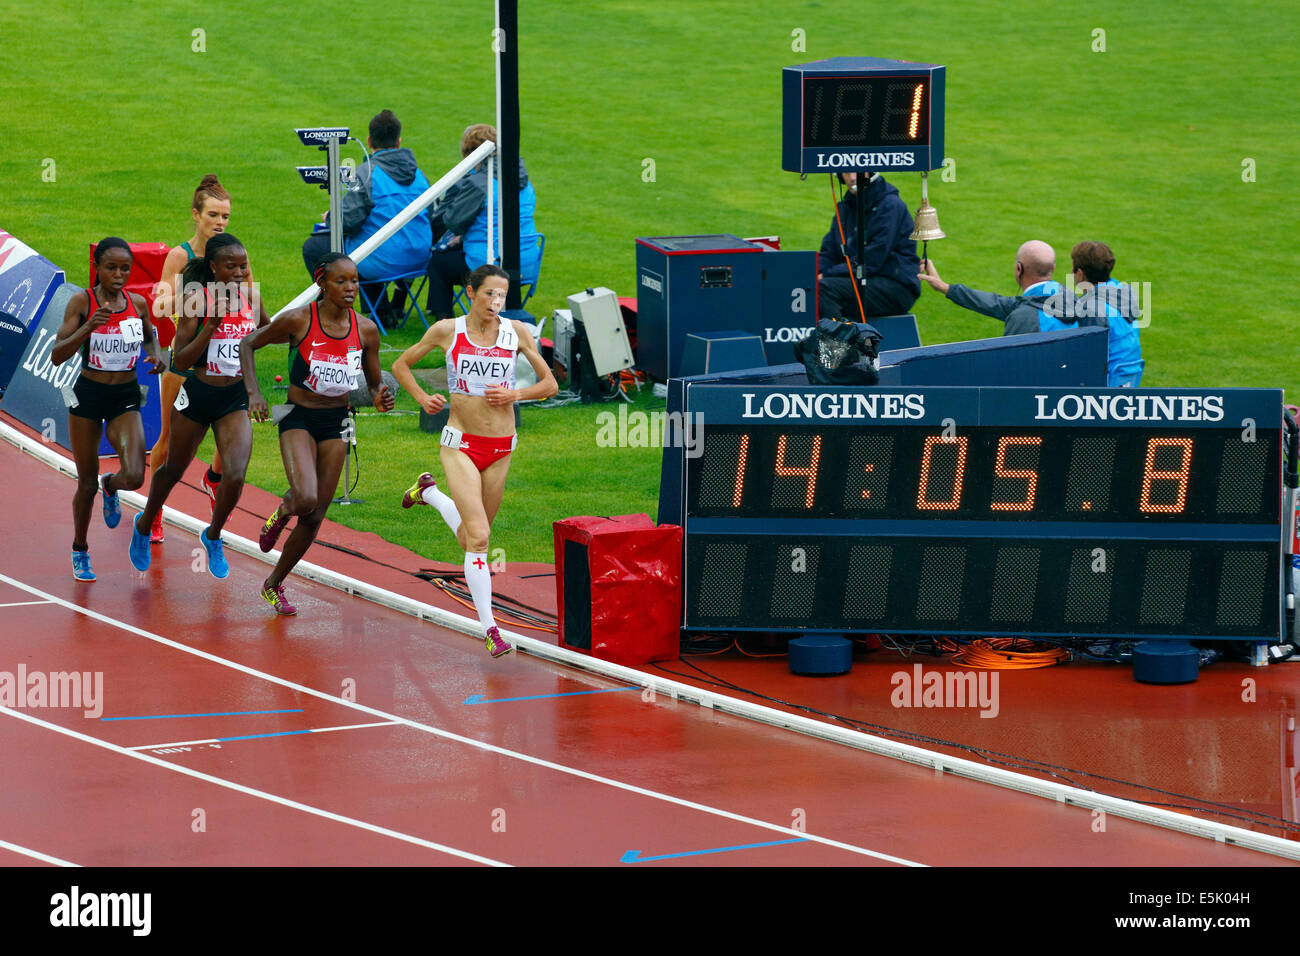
<point>492,244</point>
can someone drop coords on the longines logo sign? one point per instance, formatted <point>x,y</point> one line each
<point>809,405</point>
<point>864,160</point>
<point>38,362</point>
<point>1130,408</point>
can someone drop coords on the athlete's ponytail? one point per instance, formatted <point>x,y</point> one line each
<point>209,188</point>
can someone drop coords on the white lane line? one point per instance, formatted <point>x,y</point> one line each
<point>285,733</point>
<point>251,791</point>
<point>24,603</point>
<point>448,735</point>
<point>35,855</point>
<point>179,743</point>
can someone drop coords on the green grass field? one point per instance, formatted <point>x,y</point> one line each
<point>1174,144</point>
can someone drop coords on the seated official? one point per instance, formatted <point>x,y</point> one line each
<point>890,286</point>
<point>383,186</point>
<point>461,218</point>
<point>1038,308</point>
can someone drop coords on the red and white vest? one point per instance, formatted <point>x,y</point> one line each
<point>115,345</point>
<point>326,365</point>
<point>223,347</point>
<point>472,369</point>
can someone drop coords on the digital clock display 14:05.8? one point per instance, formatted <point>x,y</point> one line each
<point>1120,512</point>
<point>1045,474</point>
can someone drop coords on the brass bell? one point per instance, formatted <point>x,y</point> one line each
<point>927,223</point>
<point>927,220</point>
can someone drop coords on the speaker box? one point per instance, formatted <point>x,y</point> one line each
<point>692,284</point>
<point>598,313</point>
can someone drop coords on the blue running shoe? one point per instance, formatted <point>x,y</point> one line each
<point>216,557</point>
<point>112,507</point>
<point>81,570</point>
<point>139,548</point>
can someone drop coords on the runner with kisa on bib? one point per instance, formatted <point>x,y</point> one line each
<point>216,316</point>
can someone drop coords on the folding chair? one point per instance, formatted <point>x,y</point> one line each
<point>412,282</point>
<point>541,251</point>
<point>463,302</point>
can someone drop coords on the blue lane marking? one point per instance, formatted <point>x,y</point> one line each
<point>233,713</point>
<point>479,699</point>
<point>634,856</point>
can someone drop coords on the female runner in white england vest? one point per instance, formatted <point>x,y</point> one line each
<point>481,350</point>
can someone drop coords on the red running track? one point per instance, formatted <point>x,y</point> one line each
<point>425,753</point>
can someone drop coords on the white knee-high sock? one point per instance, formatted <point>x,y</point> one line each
<point>479,579</point>
<point>434,497</point>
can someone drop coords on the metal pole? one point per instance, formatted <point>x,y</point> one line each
<point>345,498</point>
<point>336,202</point>
<point>860,278</point>
<point>417,206</point>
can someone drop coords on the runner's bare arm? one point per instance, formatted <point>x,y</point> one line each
<point>545,386</point>
<point>151,346</point>
<point>191,341</point>
<point>167,291</point>
<point>289,327</point>
<point>439,336</point>
<point>76,328</point>
<point>380,396</point>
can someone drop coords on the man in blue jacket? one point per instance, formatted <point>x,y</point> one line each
<point>382,187</point>
<point>1103,301</point>
<point>890,285</point>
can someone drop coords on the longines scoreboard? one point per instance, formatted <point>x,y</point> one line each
<point>855,113</point>
<point>1137,513</point>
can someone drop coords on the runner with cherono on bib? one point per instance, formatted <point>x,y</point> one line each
<point>330,347</point>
